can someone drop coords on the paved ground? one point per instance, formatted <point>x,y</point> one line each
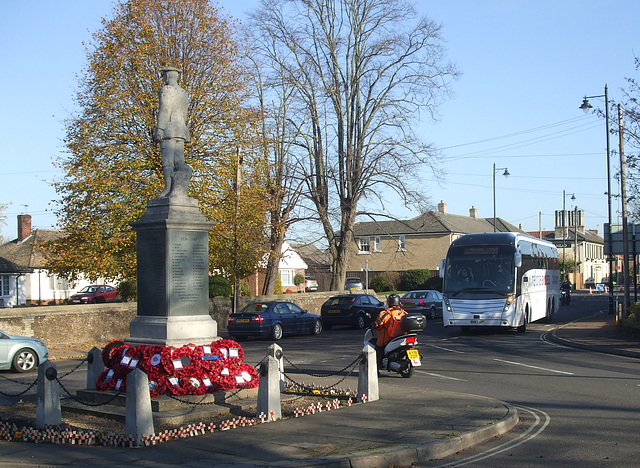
<point>395,430</point>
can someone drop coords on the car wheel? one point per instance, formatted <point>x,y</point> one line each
<point>317,327</point>
<point>523,328</point>
<point>25,360</point>
<point>276,333</point>
<point>94,301</point>
<point>432,313</point>
<point>360,322</point>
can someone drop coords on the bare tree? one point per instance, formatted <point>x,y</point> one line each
<point>364,72</point>
<point>631,108</point>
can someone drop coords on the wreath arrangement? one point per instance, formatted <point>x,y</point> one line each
<point>188,370</point>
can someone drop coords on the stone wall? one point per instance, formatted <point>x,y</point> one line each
<point>102,323</point>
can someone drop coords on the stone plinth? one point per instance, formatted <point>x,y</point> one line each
<point>173,278</point>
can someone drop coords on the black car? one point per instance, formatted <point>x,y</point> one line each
<point>354,310</point>
<point>272,319</point>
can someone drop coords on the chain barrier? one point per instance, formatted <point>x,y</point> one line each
<point>84,402</point>
<point>11,395</point>
<point>351,367</point>
<point>201,402</point>
<point>330,374</point>
<point>74,369</point>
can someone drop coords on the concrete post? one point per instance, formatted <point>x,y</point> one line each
<point>138,416</point>
<point>48,411</point>
<point>276,351</point>
<point>268,407</point>
<point>368,375</point>
<point>95,366</point>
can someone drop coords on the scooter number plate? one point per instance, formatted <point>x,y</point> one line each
<point>414,356</point>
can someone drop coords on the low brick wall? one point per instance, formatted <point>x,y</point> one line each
<point>102,323</point>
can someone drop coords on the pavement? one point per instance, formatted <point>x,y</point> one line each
<point>397,430</point>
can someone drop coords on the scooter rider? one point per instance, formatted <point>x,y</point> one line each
<point>388,325</point>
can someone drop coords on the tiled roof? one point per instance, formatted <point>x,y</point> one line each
<point>28,254</point>
<point>432,222</point>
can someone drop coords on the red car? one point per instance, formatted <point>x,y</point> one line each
<point>94,294</point>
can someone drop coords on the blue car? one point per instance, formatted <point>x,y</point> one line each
<point>272,319</point>
<point>21,353</point>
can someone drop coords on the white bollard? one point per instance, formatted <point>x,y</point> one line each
<point>269,390</point>
<point>368,375</point>
<point>276,351</point>
<point>138,416</point>
<point>95,366</point>
<point>48,412</point>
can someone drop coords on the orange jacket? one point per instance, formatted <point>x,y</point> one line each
<point>388,324</point>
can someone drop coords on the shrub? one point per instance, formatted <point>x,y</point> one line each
<point>220,286</point>
<point>631,324</point>
<point>278,287</point>
<point>298,279</point>
<point>378,284</point>
<point>415,279</point>
<point>435,282</point>
<point>127,290</point>
<point>392,280</point>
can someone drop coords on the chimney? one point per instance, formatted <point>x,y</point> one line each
<point>24,226</point>
<point>473,212</point>
<point>442,207</point>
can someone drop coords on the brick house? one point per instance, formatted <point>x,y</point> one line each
<point>23,280</point>
<point>290,265</point>
<point>417,243</point>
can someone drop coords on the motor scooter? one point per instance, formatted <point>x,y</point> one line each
<point>565,294</point>
<point>400,355</point>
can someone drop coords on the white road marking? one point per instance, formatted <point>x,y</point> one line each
<point>526,436</point>
<point>534,367</point>
<point>445,349</point>
<point>439,375</point>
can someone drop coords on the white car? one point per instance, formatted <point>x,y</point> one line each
<point>21,353</point>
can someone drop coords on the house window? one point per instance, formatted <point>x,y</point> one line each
<point>4,285</point>
<point>286,277</point>
<point>364,245</point>
<point>401,244</point>
<point>376,244</point>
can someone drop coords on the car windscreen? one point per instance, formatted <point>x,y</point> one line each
<point>253,308</point>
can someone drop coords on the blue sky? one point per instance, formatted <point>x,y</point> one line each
<point>525,67</point>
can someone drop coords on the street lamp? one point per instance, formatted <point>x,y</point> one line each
<point>565,231</point>
<point>586,107</point>
<point>506,174</point>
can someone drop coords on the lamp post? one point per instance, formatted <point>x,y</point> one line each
<point>565,231</point>
<point>506,174</point>
<point>586,107</point>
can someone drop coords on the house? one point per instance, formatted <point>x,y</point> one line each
<point>23,280</point>
<point>417,243</point>
<point>291,264</point>
<point>318,264</point>
<point>574,242</point>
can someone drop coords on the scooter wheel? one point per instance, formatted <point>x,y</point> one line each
<point>408,371</point>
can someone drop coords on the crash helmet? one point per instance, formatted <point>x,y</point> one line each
<point>393,300</point>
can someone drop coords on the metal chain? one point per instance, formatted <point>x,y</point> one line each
<point>21,393</point>
<point>353,365</point>
<point>74,369</point>
<point>84,402</point>
<point>16,381</point>
<point>330,374</point>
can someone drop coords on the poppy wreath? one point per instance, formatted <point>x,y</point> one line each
<point>188,370</point>
<point>225,349</point>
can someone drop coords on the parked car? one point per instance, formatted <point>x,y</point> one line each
<point>355,310</point>
<point>310,284</point>
<point>427,302</point>
<point>21,353</point>
<point>353,284</point>
<point>94,294</point>
<point>272,319</point>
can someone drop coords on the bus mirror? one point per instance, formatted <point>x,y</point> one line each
<point>441,271</point>
<point>517,259</point>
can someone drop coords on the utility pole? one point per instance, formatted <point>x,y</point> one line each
<point>625,230</point>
